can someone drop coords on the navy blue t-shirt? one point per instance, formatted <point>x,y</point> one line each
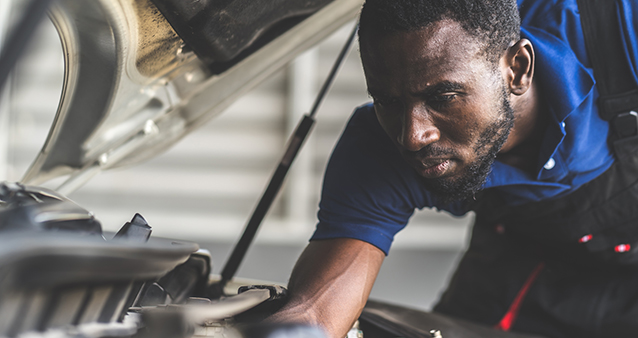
<point>370,193</point>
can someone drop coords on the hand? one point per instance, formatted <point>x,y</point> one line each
<point>330,284</point>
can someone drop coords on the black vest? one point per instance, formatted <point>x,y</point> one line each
<point>595,225</point>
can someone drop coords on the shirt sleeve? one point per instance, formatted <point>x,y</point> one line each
<point>628,17</point>
<point>369,192</point>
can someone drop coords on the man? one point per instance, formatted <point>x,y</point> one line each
<point>474,112</point>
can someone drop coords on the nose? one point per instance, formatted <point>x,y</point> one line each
<point>417,130</point>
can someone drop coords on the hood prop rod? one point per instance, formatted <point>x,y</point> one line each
<point>295,143</point>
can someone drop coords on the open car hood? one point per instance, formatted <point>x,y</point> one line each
<point>137,81</point>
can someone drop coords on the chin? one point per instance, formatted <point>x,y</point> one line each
<point>460,185</point>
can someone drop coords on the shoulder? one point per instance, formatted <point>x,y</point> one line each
<point>369,192</point>
<point>546,12</point>
<point>555,20</point>
<point>366,171</point>
<point>366,163</point>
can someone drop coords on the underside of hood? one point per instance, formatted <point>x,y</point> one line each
<point>140,75</point>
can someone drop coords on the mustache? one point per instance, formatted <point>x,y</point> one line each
<point>430,151</point>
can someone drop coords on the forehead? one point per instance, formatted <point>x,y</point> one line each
<point>441,51</point>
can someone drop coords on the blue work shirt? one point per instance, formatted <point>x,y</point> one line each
<point>370,193</point>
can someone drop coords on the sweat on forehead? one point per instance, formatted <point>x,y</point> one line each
<point>495,22</point>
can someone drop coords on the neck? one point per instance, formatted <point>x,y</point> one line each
<point>523,144</point>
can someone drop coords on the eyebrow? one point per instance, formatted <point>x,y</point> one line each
<point>438,88</point>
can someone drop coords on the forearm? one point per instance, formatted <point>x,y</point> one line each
<point>330,284</point>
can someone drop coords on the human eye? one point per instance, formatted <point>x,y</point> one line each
<point>443,99</point>
<point>383,101</point>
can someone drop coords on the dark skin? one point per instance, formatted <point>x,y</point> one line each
<point>430,86</point>
<point>439,89</point>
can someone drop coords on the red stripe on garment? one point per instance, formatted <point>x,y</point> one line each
<point>510,317</point>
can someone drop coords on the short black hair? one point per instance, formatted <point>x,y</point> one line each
<point>495,22</point>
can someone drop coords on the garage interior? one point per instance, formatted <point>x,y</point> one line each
<point>204,188</point>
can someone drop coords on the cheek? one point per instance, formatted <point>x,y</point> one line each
<point>391,123</point>
<point>477,114</point>
<point>461,126</point>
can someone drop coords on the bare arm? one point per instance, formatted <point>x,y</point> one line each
<point>330,284</point>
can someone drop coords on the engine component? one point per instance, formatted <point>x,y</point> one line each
<point>26,208</point>
<point>137,230</point>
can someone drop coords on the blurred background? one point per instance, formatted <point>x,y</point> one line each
<point>205,187</point>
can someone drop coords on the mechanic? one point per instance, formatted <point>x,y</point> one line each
<point>490,106</point>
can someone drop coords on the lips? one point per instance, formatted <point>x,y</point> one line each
<point>429,167</point>
<point>432,161</point>
<point>433,168</point>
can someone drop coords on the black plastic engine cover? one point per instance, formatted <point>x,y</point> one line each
<point>219,30</point>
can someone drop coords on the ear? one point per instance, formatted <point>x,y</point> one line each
<point>518,66</point>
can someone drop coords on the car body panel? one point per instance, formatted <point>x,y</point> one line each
<point>151,91</point>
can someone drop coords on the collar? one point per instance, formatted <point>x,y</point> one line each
<point>566,86</point>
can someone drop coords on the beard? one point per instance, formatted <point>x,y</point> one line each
<point>471,180</point>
